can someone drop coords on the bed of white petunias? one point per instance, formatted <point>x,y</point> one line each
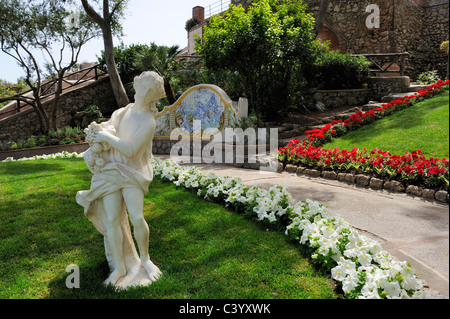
<point>359,264</point>
<point>64,154</point>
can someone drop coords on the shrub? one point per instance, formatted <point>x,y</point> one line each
<point>63,136</point>
<point>428,77</point>
<point>92,113</point>
<point>191,23</point>
<point>53,141</point>
<point>341,71</point>
<point>31,142</point>
<point>65,141</point>
<point>42,140</point>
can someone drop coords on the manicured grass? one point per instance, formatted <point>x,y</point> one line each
<point>423,126</point>
<point>203,249</point>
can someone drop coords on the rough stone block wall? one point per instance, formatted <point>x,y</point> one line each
<point>337,98</point>
<point>417,27</point>
<point>25,124</point>
<point>435,31</point>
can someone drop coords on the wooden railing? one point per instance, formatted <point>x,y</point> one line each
<point>383,62</point>
<point>48,88</point>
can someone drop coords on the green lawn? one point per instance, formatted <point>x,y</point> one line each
<point>424,126</point>
<point>203,249</point>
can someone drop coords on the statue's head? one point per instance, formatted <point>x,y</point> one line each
<point>149,88</point>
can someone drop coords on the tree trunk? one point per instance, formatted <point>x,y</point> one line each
<point>169,91</point>
<point>58,91</point>
<point>116,83</point>
<point>44,122</point>
<point>104,23</point>
<point>320,18</point>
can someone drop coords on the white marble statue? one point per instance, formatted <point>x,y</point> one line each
<point>120,158</point>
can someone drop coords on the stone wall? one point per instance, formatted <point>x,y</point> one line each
<point>337,98</point>
<point>381,86</point>
<point>435,30</point>
<point>25,124</point>
<point>417,27</point>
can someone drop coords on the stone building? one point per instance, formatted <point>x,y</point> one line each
<point>414,26</point>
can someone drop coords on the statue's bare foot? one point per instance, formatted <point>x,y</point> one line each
<point>153,272</point>
<point>115,276</point>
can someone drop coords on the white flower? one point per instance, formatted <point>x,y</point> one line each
<point>403,295</point>
<point>338,273</point>
<point>369,291</point>
<point>364,258</point>
<point>392,288</point>
<point>350,282</point>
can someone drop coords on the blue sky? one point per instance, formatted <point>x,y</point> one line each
<point>147,21</point>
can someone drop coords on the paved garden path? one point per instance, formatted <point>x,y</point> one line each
<point>410,229</point>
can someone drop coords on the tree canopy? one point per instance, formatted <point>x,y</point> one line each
<point>270,46</point>
<point>32,28</point>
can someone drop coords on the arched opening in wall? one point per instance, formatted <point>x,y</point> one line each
<point>325,34</point>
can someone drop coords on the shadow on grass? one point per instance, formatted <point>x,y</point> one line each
<point>205,251</point>
<point>15,169</point>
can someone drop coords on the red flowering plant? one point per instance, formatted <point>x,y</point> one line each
<point>411,167</point>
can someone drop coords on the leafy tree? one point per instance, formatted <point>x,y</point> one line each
<point>30,26</point>
<point>163,60</point>
<point>9,89</point>
<point>108,21</point>
<point>271,47</point>
<point>137,58</point>
<point>126,57</point>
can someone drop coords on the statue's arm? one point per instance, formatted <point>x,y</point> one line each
<point>121,145</point>
<point>129,148</point>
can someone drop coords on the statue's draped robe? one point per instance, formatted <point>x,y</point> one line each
<point>119,172</point>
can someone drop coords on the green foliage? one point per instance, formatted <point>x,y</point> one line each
<point>126,57</point>
<point>134,59</point>
<point>271,49</point>
<point>251,121</point>
<point>191,23</point>
<point>31,142</point>
<point>92,113</point>
<point>66,141</point>
<point>341,71</point>
<point>428,77</point>
<point>9,89</point>
<point>31,30</point>
<point>62,136</point>
<point>444,46</point>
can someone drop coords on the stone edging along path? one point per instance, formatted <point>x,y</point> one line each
<point>363,180</point>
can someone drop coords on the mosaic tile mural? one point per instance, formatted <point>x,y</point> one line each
<point>204,102</point>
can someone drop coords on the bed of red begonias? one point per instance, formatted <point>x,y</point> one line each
<point>411,168</point>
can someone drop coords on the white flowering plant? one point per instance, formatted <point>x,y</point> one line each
<point>358,264</point>
<point>60,155</point>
